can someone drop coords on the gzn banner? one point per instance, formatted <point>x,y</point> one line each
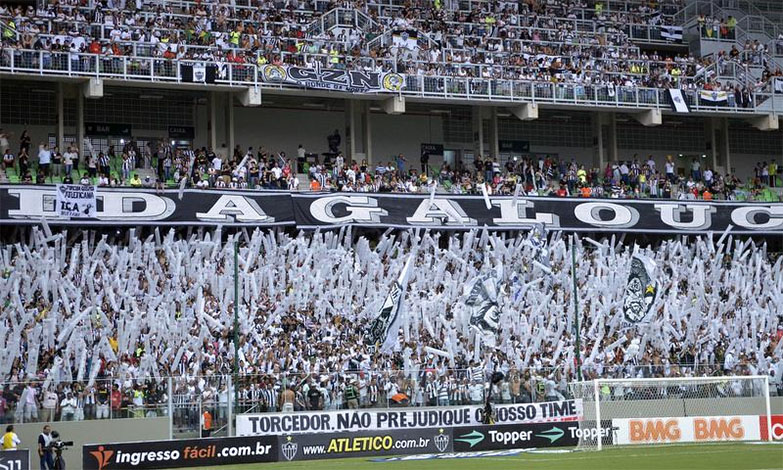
<point>355,81</point>
<point>124,206</point>
<point>179,453</point>
<point>263,424</point>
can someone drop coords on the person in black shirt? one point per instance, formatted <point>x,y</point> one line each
<point>102,398</point>
<point>314,397</point>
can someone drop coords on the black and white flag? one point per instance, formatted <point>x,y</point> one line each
<point>678,101</point>
<point>385,326</point>
<point>641,289</point>
<point>483,293</point>
<point>191,155</point>
<point>671,33</point>
<point>198,72</point>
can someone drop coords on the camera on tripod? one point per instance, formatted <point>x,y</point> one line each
<point>57,444</point>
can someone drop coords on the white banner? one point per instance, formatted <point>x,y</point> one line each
<point>76,201</point>
<point>687,429</point>
<point>263,424</point>
<point>714,96</point>
<point>671,33</point>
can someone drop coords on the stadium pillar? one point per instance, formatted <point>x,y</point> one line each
<point>60,115</point>
<point>494,143</point>
<point>212,121</point>
<point>478,131</point>
<point>79,122</point>
<point>612,137</point>
<point>716,131</point>
<point>230,121</point>
<point>351,122</point>
<point>599,156</point>
<point>367,135</point>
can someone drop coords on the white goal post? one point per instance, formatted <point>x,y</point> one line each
<point>673,410</point>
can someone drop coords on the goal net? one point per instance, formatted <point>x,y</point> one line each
<point>673,410</point>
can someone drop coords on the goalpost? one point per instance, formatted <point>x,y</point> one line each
<point>673,410</point>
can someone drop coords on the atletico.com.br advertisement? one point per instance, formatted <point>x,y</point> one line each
<point>179,453</point>
<point>362,444</point>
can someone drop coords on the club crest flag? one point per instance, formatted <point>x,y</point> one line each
<point>76,201</point>
<point>385,326</point>
<point>641,289</point>
<point>482,299</point>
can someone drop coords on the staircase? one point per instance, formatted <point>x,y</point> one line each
<point>339,20</point>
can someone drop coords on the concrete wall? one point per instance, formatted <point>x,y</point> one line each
<point>93,432</point>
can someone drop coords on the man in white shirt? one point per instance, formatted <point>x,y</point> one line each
<point>669,167</point>
<point>44,158</point>
<point>708,177</point>
<point>68,407</point>
<point>217,163</point>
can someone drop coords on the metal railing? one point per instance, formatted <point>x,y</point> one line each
<point>183,399</point>
<point>421,86</point>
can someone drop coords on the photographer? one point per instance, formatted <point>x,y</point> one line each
<point>58,446</point>
<point>45,448</point>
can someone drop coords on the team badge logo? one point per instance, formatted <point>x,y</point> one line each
<point>393,82</point>
<point>274,73</point>
<point>441,440</point>
<point>289,448</point>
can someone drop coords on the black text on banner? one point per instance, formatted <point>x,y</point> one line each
<point>403,418</point>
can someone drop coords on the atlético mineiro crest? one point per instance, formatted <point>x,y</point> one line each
<point>441,440</point>
<point>289,448</point>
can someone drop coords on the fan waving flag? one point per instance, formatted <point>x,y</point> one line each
<point>641,289</point>
<point>483,292</point>
<point>385,326</point>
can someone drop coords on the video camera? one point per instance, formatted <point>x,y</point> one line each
<point>57,444</point>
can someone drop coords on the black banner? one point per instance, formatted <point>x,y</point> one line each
<point>95,129</point>
<point>356,81</point>
<point>182,132</point>
<point>513,146</point>
<point>432,149</point>
<point>15,459</point>
<point>179,453</point>
<point>21,204</point>
<point>364,444</point>
<point>515,436</point>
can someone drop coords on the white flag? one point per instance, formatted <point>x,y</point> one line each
<point>76,201</point>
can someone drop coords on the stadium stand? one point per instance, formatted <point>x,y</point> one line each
<point>672,100</point>
<point>98,325</point>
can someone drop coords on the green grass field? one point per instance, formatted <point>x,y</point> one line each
<point>670,457</point>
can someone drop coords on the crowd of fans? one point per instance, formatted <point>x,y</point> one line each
<point>635,177</point>
<point>92,327</point>
<point>587,43</point>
